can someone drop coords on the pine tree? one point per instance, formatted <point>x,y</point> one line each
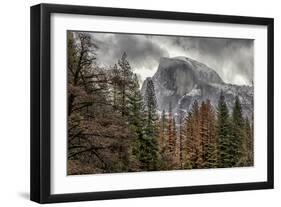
<point>99,139</point>
<point>201,144</point>
<point>135,114</point>
<point>135,106</point>
<point>238,133</point>
<point>148,146</point>
<point>197,139</point>
<point>174,133</point>
<point>116,82</point>
<point>250,144</point>
<point>163,125</point>
<point>171,131</point>
<point>181,139</point>
<point>192,138</point>
<point>125,84</point>
<point>203,133</point>
<point>189,143</point>
<point>211,143</point>
<point>226,146</point>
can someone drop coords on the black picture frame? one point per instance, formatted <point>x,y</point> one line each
<point>41,95</point>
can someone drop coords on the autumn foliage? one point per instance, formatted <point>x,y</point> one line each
<point>113,127</point>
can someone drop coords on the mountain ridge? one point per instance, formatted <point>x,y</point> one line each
<point>179,81</point>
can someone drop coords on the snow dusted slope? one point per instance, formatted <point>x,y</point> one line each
<point>203,72</point>
<point>180,81</point>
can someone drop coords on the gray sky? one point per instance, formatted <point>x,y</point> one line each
<point>232,59</point>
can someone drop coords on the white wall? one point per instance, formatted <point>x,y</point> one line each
<point>14,101</point>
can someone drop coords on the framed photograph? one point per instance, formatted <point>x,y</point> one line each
<point>132,103</point>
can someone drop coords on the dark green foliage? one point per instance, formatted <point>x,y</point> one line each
<point>249,144</point>
<point>226,143</point>
<point>239,135</point>
<point>148,144</point>
<point>112,127</point>
<point>135,107</point>
<point>217,139</point>
<point>210,140</point>
<point>125,84</point>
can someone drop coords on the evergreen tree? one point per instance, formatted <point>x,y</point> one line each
<point>211,143</point>
<point>148,146</point>
<point>125,84</point>
<point>99,139</point>
<point>239,136</point>
<point>112,127</point>
<point>181,139</point>
<point>174,134</point>
<point>115,77</point>
<point>226,145</point>
<point>203,134</point>
<point>162,142</point>
<point>192,136</point>
<point>171,131</point>
<point>135,114</point>
<point>189,143</point>
<point>135,106</point>
<point>163,130</point>
<point>198,144</point>
<point>250,144</point>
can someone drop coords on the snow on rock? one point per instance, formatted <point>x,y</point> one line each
<point>180,81</point>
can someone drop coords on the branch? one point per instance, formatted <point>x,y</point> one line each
<point>92,149</point>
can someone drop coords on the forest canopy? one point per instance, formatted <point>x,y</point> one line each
<point>114,127</point>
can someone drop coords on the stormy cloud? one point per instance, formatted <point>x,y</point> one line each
<point>232,59</point>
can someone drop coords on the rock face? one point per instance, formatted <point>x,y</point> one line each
<point>180,81</point>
